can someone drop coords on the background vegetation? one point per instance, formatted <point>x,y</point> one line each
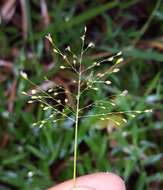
<point>35,159</point>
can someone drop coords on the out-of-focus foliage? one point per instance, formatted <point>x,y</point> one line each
<point>33,158</point>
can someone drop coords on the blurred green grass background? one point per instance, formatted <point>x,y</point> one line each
<point>36,159</point>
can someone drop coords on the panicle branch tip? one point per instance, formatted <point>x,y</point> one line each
<point>23,74</point>
<point>91,45</point>
<point>48,37</point>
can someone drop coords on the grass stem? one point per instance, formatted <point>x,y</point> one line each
<point>77,115</point>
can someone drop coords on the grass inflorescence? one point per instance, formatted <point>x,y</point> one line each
<point>88,79</point>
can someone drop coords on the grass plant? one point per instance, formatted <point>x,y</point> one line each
<point>39,156</point>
